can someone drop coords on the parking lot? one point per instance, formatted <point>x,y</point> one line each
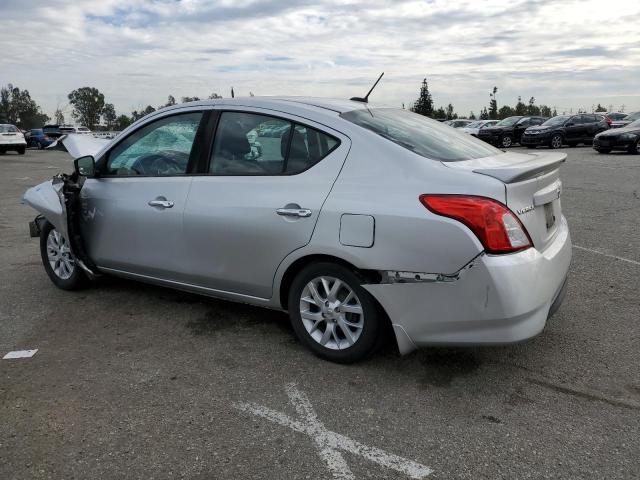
<point>136,381</point>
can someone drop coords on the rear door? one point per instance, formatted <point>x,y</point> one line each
<point>574,128</point>
<point>259,200</point>
<point>132,213</point>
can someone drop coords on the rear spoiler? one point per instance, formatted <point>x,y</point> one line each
<point>539,165</point>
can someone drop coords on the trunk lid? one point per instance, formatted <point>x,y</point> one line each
<point>532,188</point>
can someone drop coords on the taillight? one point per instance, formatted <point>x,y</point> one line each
<point>609,121</point>
<point>497,228</point>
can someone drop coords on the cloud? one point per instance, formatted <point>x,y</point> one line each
<point>138,51</point>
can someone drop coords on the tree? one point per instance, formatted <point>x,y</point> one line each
<point>440,114</point>
<point>484,114</point>
<point>122,122</point>
<point>493,104</point>
<point>554,113</point>
<point>109,115</point>
<point>170,101</point>
<point>532,108</point>
<point>545,111</point>
<point>600,108</point>
<point>88,104</point>
<point>59,117</point>
<point>506,111</point>
<point>189,99</point>
<point>521,108</point>
<point>450,113</point>
<point>214,95</point>
<point>472,116</point>
<point>424,104</point>
<point>17,107</point>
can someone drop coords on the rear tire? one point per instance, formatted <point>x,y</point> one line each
<point>21,150</point>
<point>341,320</point>
<point>59,263</point>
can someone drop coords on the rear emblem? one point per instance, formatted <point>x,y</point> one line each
<point>526,209</point>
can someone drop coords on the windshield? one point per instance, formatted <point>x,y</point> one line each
<point>474,124</point>
<point>635,124</point>
<point>424,136</point>
<point>507,122</point>
<point>559,120</point>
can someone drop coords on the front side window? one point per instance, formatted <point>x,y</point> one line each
<point>254,144</point>
<point>160,148</point>
<point>421,135</point>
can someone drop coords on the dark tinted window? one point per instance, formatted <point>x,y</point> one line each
<point>537,121</point>
<point>308,147</point>
<point>160,148</point>
<point>421,135</point>
<point>253,144</point>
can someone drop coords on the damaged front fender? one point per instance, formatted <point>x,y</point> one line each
<point>58,201</point>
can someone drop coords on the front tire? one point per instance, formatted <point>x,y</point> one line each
<point>58,261</point>
<point>603,150</point>
<point>506,141</point>
<point>556,141</point>
<point>332,314</point>
<point>635,149</point>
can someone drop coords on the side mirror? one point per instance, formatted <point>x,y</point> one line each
<point>85,166</point>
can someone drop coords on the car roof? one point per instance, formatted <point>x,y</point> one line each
<point>311,103</point>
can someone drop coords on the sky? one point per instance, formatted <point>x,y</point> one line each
<point>565,53</point>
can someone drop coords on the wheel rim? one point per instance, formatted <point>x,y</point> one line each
<point>506,142</point>
<point>638,146</point>
<point>556,142</point>
<point>59,255</point>
<point>331,313</point>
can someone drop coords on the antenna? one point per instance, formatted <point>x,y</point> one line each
<point>232,94</point>
<point>366,97</point>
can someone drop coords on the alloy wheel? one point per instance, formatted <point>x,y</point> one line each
<point>556,141</point>
<point>506,141</point>
<point>331,313</point>
<point>59,255</point>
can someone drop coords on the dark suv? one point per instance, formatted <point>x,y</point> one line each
<point>565,130</point>
<point>508,131</point>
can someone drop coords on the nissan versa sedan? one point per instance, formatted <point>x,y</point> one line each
<point>355,219</point>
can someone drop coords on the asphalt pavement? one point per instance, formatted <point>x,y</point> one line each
<point>141,382</point>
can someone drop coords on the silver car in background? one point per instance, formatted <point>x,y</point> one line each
<point>474,127</point>
<point>357,220</point>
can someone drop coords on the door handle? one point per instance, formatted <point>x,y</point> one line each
<point>161,203</point>
<point>294,212</point>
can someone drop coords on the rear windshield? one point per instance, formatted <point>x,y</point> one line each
<point>424,136</point>
<point>7,128</point>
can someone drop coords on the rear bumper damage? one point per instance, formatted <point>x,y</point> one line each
<point>494,300</point>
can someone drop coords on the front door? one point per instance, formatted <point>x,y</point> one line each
<point>268,178</point>
<point>132,213</point>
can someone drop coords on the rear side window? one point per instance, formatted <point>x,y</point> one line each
<point>421,135</point>
<point>254,144</point>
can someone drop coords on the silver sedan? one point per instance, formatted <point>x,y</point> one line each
<point>360,221</point>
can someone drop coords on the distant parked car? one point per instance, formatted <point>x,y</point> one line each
<point>37,138</point>
<point>11,138</point>
<point>52,131</point>
<point>625,138</point>
<point>508,131</point>
<point>611,117</point>
<point>565,130</point>
<point>474,127</point>
<point>458,123</point>
<point>632,117</point>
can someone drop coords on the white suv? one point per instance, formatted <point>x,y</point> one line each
<point>11,138</point>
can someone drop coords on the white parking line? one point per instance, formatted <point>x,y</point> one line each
<point>329,443</point>
<point>622,259</point>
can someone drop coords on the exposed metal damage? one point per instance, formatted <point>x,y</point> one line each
<point>395,276</point>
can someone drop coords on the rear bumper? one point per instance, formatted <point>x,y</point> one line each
<point>8,145</point>
<point>500,299</point>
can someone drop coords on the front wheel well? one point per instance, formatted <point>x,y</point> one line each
<point>368,276</point>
